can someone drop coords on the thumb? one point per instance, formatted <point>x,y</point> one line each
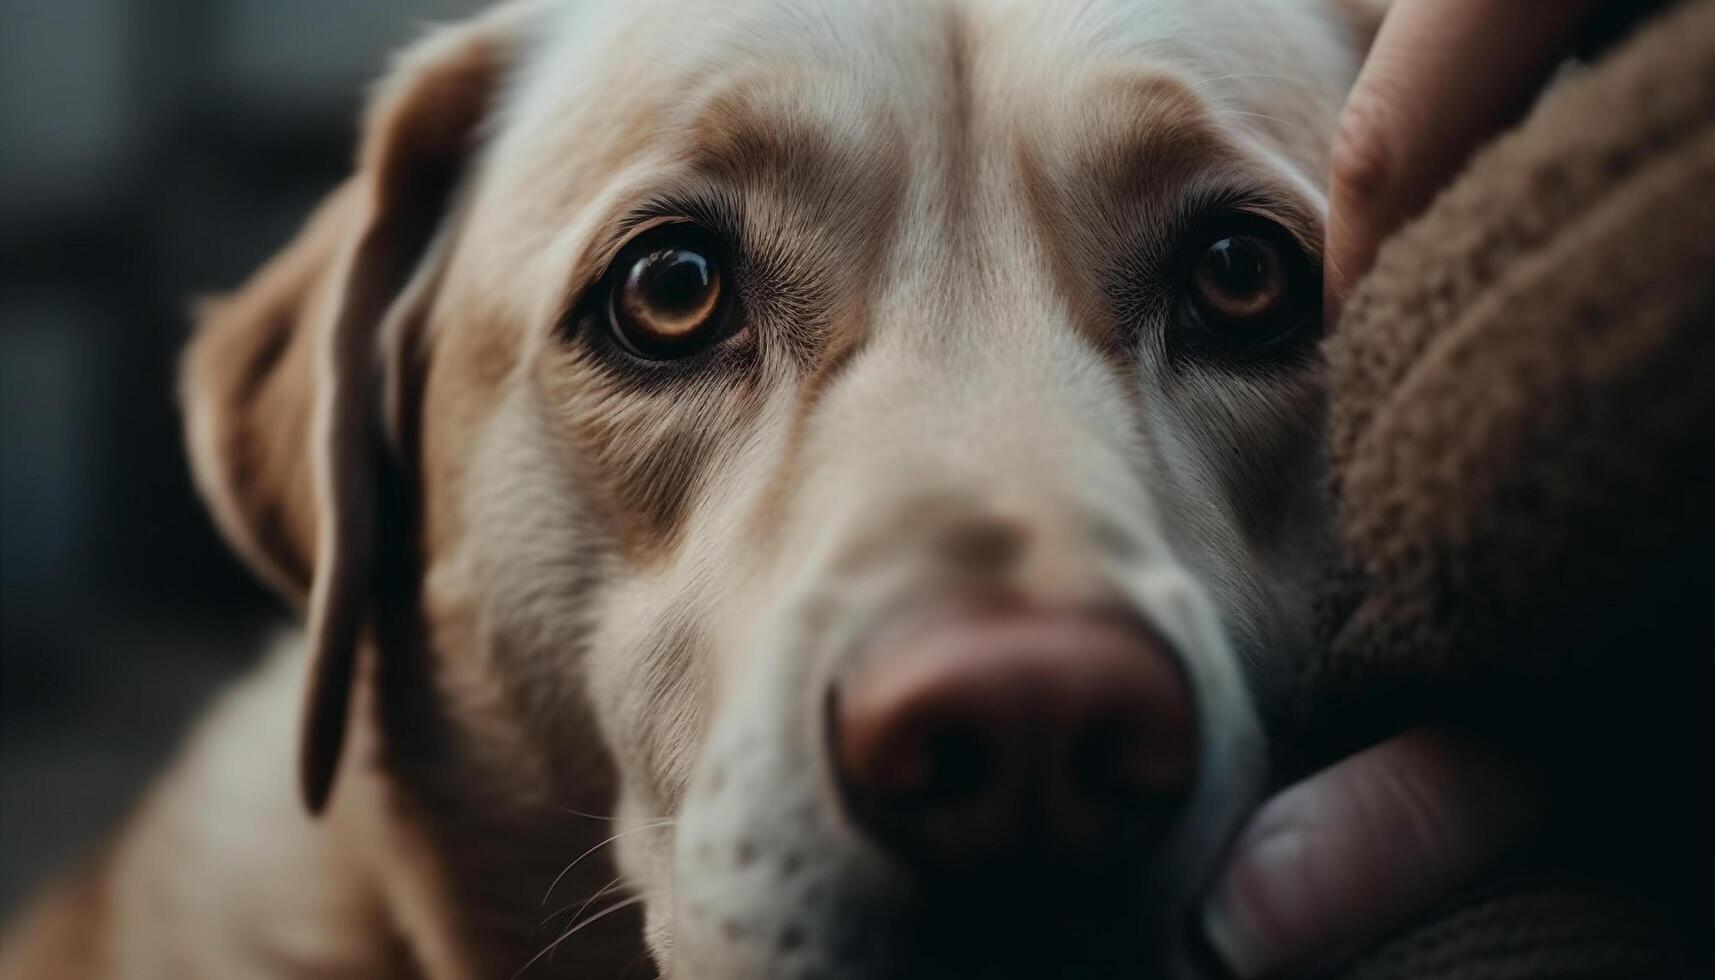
<point>1343,858</point>
<point>1441,77</point>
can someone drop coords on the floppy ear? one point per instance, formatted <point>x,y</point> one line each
<point>283,386</point>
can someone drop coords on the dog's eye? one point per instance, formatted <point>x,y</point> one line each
<point>1239,278</point>
<point>670,294</point>
<point>1251,287</point>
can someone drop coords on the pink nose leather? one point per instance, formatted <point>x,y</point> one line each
<point>1015,734</point>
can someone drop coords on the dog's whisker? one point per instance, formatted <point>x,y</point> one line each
<point>575,929</point>
<point>562,911</point>
<point>1256,115</point>
<point>1259,74</point>
<point>590,816</point>
<point>653,825</point>
<point>606,889</point>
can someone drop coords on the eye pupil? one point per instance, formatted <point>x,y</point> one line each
<point>1240,278</point>
<point>1237,266</point>
<point>675,281</point>
<point>672,299</point>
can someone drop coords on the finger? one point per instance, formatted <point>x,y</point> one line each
<point>1342,858</point>
<point>1441,76</point>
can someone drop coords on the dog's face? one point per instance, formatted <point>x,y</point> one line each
<point>869,448</point>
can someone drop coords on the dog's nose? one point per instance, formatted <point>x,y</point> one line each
<point>1015,735</point>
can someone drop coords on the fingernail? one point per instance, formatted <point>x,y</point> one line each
<point>1262,909</point>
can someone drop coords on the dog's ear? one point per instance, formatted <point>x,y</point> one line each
<point>285,383</point>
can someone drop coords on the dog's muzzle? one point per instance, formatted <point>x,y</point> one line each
<point>992,783</point>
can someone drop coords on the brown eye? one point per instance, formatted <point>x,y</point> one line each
<point>1240,278</point>
<point>670,297</point>
<point>1250,288</point>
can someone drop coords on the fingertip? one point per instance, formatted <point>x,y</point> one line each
<point>1232,942</point>
<point>1362,160</point>
<point>1345,856</point>
<point>1253,919</point>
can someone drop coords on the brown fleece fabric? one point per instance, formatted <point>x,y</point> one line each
<point>1524,387</point>
<point>1532,929</point>
<point>1523,447</point>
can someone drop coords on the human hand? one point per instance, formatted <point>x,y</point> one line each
<point>1341,859</point>
<point>1441,77</point>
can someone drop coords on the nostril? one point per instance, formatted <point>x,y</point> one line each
<point>960,767</point>
<point>1011,734</point>
<point>1108,761</point>
<point>1122,783</point>
<point>1130,756</point>
<point>943,767</point>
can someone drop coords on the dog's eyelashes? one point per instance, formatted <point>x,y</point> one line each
<point>670,293</point>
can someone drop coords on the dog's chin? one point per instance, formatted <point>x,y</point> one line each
<point>1004,924</point>
<point>1020,922</point>
<point>772,883</point>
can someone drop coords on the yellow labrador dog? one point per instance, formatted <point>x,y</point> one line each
<point>778,488</point>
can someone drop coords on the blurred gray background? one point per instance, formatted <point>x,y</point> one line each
<point>150,151</point>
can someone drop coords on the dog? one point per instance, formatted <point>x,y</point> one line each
<point>791,488</point>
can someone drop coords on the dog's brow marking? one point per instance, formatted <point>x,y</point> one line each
<point>1072,283</point>
<point>1149,126</point>
<point>742,137</point>
<point>1143,131</point>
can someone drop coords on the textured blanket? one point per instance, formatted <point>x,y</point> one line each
<point>1523,446</point>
